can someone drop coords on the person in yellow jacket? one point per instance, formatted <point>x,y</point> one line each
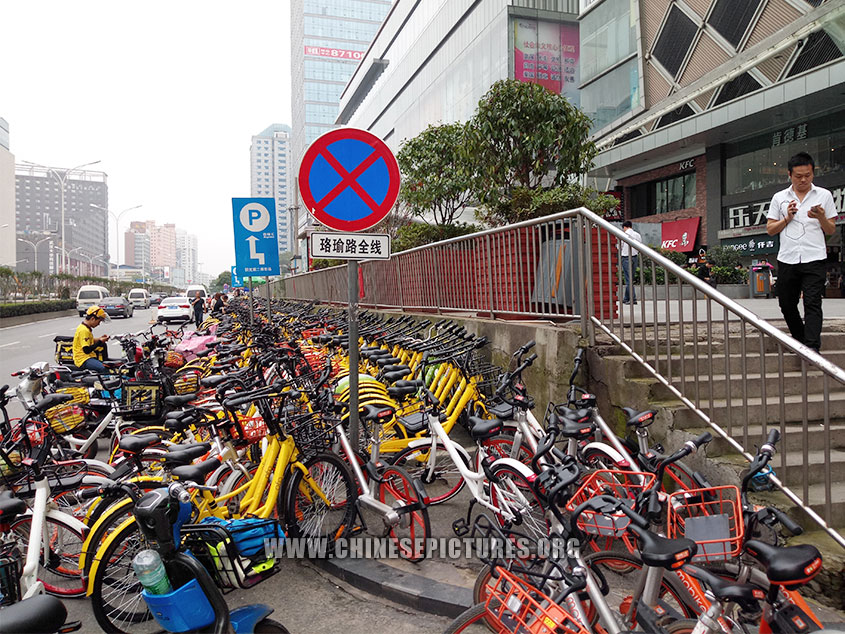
<point>85,346</point>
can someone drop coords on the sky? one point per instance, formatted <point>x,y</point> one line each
<point>165,93</point>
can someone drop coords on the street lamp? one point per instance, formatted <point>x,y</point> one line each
<point>105,261</point>
<point>61,177</point>
<point>34,246</point>
<point>70,253</point>
<point>116,225</point>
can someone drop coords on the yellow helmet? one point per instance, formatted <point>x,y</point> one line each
<point>96,311</point>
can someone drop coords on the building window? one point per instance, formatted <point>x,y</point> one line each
<point>663,196</point>
<point>732,17</point>
<point>675,40</point>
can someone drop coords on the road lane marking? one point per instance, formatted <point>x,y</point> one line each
<point>47,335</point>
<point>6,345</point>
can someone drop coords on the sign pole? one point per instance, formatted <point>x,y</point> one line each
<point>352,269</point>
<point>269,315</point>
<point>251,314</point>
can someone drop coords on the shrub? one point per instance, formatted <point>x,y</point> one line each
<point>660,273</point>
<point>32,308</point>
<point>419,234</point>
<point>729,275</point>
<point>324,263</point>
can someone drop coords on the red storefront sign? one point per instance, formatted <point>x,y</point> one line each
<point>680,234</point>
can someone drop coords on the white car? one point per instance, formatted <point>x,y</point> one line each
<point>139,297</point>
<point>174,309</point>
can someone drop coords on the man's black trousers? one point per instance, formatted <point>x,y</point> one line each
<point>809,278</point>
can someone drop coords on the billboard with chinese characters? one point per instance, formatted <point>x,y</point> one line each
<point>350,246</point>
<point>547,53</point>
<point>761,244</point>
<point>334,53</point>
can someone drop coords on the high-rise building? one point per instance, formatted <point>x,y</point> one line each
<point>38,210</point>
<point>186,259</point>
<point>460,48</point>
<point>270,175</point>
<point>7,199</point>
<point>162,244</point>
<point>699,104</point>
<point>328,39</point>
<point>137,246</point>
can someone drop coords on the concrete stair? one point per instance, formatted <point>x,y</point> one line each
<point>736,390</point>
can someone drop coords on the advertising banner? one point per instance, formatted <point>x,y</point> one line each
<point>680,234</point>
<point>547,53</point>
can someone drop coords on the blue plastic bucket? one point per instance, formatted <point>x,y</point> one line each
<point>185,609</point>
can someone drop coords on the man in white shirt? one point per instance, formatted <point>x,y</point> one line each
<point>630,262</point>
<point>803,215</point>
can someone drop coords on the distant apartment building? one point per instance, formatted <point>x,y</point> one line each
<point>271,177</point>
<point>328,39</point>
<point>137,246</point>
<point>186,259</point>
<point>7,198</point>
<point>38,214</point>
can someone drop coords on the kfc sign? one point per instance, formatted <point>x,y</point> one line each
<point>680,234</point>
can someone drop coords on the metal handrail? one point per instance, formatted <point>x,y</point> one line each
<point>522,269</point>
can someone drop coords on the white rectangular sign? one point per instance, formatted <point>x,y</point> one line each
<point>350,246</point>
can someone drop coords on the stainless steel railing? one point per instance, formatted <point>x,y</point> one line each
<point>725,367</point>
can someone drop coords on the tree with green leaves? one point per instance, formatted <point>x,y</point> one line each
<point>224,278</point>
<point>529,146</point>
<point>435,173</point>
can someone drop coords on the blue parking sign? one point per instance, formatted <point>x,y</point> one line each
<point>236,281</point>
<point>256,239</point>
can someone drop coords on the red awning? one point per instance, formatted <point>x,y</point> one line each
<point>680,234</point>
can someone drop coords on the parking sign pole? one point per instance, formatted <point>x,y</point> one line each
<point>251,314</point>
<point>352,269</point>
<point>269,314</point>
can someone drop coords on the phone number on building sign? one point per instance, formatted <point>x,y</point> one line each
<point>337,53</point>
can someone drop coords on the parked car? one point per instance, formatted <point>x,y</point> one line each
<point>174,309</point>
<point>117,307</point>
<point>139,297</point>
<point>156,298</point>
<point>89,295</point>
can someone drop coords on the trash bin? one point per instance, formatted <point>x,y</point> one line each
<point>759,281</point>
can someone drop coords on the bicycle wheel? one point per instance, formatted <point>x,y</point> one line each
<point>471,620</point>
<point>397,491</point>
<point>501,446</point>
<point>511,491</point>
<point>58,564</point>
<point>269,626</point>
<point>444,483</point>
<point>621,570</point>
<point>115,590</point>
<point>321,505</point>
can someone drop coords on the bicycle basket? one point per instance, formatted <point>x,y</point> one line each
<point>711,517</point>
<point>187,382</point>
<point>254,428</point>
<point>10,574</point>
<point>312,434</point>
<point>486,375</point>
<point>623,485</point>
<point>516,606</point>
<point>81,395</point>
<point>140,399</point>
<point>223,548</point>
<point>65,418</point>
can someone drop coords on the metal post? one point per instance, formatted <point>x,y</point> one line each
<point>269,312</point>
<point>251,313</point>
<point>352,269</point>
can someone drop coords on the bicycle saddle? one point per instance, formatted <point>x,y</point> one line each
<point>639,419</point>
<point>51,400</point>
<point>137,443</point>
<point>10,507</point>
<point>484,428</point>
<point>744,595</point>
<point>214,381</point>
<point>195,472</point>
<point>184,455</point>
<point>787,566</point>
<point>41,613</point>
<point>662,552</point>
<point>179,400</point>
<point>574,425</point>
<point>390,377</point>
<point>501,410</point>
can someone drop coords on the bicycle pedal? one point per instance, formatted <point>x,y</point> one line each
<point>460,527</point>
<point>356,530</point>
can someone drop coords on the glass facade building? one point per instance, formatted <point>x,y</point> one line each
<point>328,39</point>
<point>270,175</point>
<point>697,106</point>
